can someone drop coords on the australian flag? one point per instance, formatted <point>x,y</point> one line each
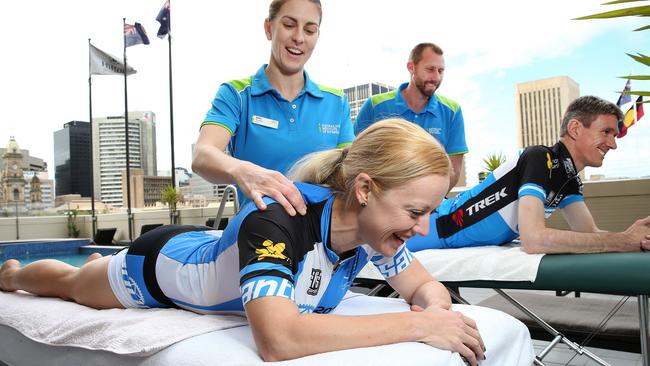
<point>163,19</point>
<point>625,98</point>
<point>135,34</point>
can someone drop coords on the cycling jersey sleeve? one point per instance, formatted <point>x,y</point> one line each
<point>266,254</point>
<point>535,170</point>
<point>392,266</point>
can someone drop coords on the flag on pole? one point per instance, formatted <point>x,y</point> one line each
<point>102,63</point>
<point>625,98</point>
<point>135,34</point>
<point>633,115</point>
<point>163,19</point>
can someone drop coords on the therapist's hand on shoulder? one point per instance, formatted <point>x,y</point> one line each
<point>257,182</point>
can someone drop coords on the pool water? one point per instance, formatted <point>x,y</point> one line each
<point>76,260</point>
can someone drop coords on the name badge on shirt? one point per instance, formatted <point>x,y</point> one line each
<point>266,122</point>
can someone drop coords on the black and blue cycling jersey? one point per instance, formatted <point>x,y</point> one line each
<point>488,213</point>
<point>260,253</point>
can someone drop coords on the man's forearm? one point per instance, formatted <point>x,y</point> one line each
<point>563,241</point>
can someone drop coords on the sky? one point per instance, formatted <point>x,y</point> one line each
<point>489,47</point>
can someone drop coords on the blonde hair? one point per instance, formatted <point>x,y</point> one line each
<point>392,152</point>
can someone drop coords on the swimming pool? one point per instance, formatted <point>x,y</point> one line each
<point>76,260</point>
<point>71,251</point>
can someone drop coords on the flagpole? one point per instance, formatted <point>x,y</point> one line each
<point>171,111</point>
<point>92,172</point>
<point>126,141</point>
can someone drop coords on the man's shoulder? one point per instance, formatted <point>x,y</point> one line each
<point>536,150</point>
<point>383,99</point>
<point>447,102</point>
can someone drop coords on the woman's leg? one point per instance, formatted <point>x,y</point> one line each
<point>87,285</point>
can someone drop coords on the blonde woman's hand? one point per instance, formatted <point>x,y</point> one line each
<point>451,330</point>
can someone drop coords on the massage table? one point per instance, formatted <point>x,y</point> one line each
<point>625,274</point>
<point>48,331</point>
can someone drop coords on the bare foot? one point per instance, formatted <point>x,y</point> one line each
<point>92,257</point>
<point>8,268</point>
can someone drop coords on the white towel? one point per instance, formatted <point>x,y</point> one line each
<point>491,263</point>
<point>134,332</point>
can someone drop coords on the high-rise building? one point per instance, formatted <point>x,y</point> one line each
<point>540,105</point>
<point>109,152</point>
<point>72,159</point>
<point>359,93</point>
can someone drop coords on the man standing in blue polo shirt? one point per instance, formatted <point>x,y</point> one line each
<point>417,102</point>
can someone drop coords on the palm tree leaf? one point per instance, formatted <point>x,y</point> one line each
<point>638,10</point>
<point>642,93</point>
<point>641,58</point>
<point>636,77</point>
<point>642,28</point>
<point>621,2</point>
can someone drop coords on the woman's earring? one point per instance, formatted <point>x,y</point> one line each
<point>363,204</point>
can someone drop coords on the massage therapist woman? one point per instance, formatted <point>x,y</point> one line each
<point>270,120</point>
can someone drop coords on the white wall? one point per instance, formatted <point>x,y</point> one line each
<point>53,227</point>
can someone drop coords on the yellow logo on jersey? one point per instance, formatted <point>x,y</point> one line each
<point>271,250</point>
<point>549,164</point>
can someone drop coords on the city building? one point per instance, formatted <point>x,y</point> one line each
<point>202,188</point>
<point>22,189</point>
<point>12,181</point>
<point>109,152</point>
<point>145,190</point>
<point>72,159</point>
<point>358,94</point>
<point>182,176</point>
<point>27,162</point>
<point>39,192</point>
<point>540,105</point>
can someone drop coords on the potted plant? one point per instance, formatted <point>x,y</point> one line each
<point>171,196</point>
<point>73,230</point>
<point>492,161</point>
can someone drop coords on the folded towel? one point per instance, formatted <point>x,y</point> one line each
<point>134,332</point>
<point>491,263</point>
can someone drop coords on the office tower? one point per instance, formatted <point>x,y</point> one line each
<point>72,159</point>
<point>359,93</point>
<point>109,152</point>
<point>540,105</point>
<point>146,191</point>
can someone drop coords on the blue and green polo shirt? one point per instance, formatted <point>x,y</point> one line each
<point>442,117</point>
<point>273,132</point>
